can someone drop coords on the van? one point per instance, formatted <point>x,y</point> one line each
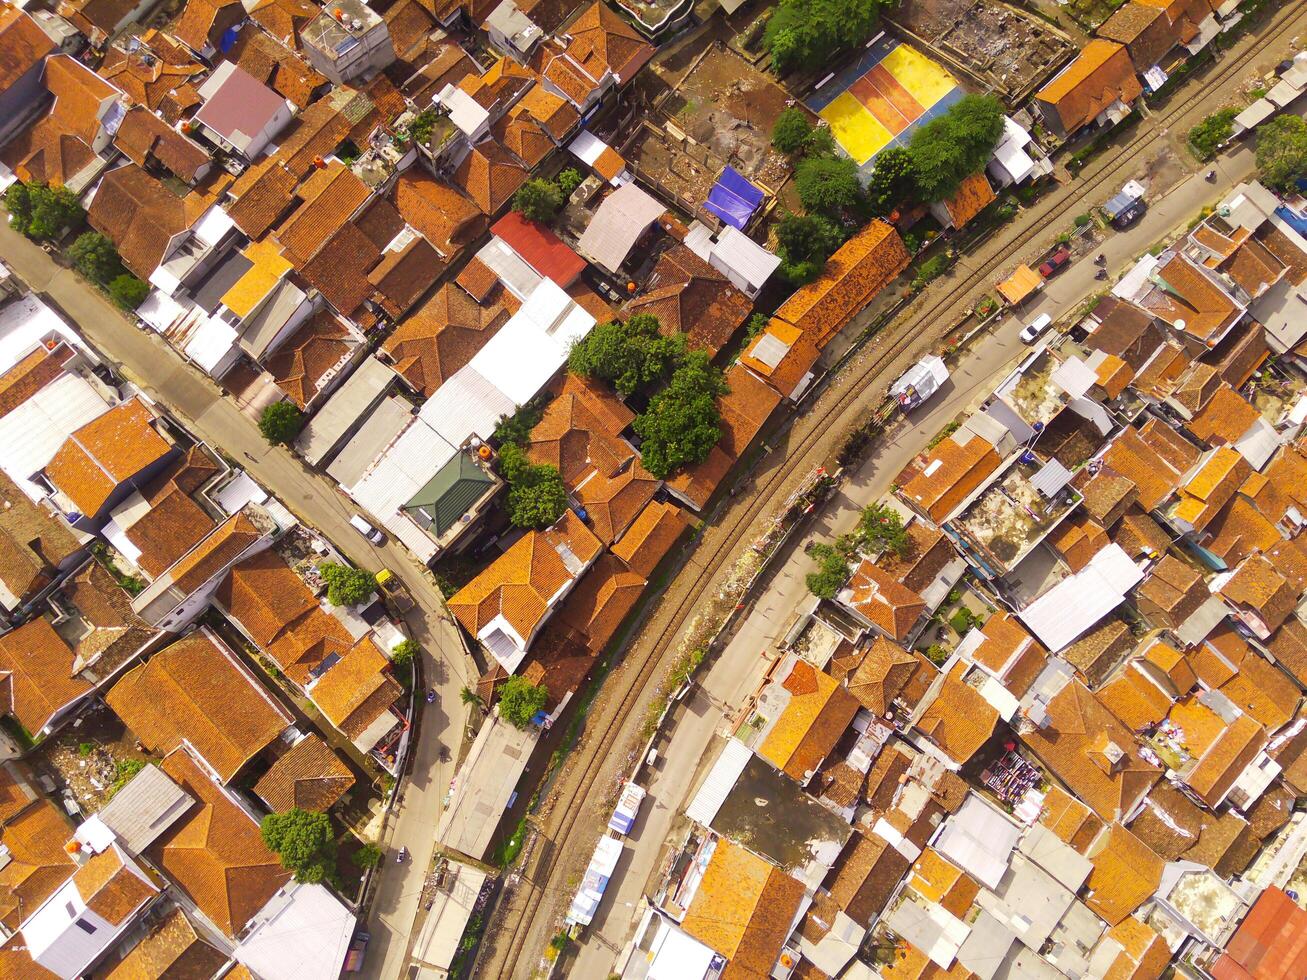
<point>1031,331</point>
<point>367,530</point>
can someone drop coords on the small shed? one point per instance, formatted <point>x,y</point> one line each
<point>1023,282</point>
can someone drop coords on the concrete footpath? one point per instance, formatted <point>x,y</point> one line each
<point>146,360</point>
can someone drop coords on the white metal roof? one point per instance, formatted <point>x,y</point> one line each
<point>1255,114</point>
<point>212,342</point>
<point>212,226</point>
<point>1258,444</point>
<point>676,955</point>
<point>359,392</point>
<point>1051,478</point>
<point>979,840</point>
<point>513,271</point>
<point>143,809</point>
<point>378,430</point>
<point>303,933</point>
<point>464,406</point>
<point>699,240</point>
<point>622,217</point>
<point>483,786</point>
<point>399,472</point>
<point>26,322</point>
<point>452,907</point>
<point>586,147</point>
<point>737,252</point>
<point>519,360</point>
<point>719,782</point>
<point>464,111</point>
<point>1074,376</point>
<point>1075,604</point>
<point>32,433</point>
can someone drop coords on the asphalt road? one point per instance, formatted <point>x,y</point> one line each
<point>146,360</point>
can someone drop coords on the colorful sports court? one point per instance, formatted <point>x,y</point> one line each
<point>882,97</point>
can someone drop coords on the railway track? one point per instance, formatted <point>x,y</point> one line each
<point>513,955</point>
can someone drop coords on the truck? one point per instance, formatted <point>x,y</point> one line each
<point>1126,206</point>
<point>919,382</point>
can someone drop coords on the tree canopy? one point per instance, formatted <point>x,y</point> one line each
<point>41,212</point>
<point>128,291</point>
<point>281,422</point>
<point>629,355</point>
<point>831,574</point>
<point>520,700</point>
<point>539,200</point>
<point>304,841</point>
<point>537,496</point>
<point>790,132</point>
<point>1282,150</point>
<point>682,423</point>
<point>804,35</point>
<point>95,257</point>
<point>829,185</point>
<point>1207,137</point>
<point>893,180</point>
<point>804,243</point>
<point>346,585</point>
<point>881,527</point>
<point>949,149</point>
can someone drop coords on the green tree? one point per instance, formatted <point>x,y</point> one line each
<point>790,132</point>
<point>18,202</point>
<point>516,428</point>
<point>893,180</point>
<point>536,494</point>
<point>304,841</point>
<point>806,34</point>
<point>569,180</point>
<point>128,291</point>
<point>1206,138</point>
<point>682,423</point>
<point>405,652</point>
<point>281,422</point>
<point>829,185</point>
<point>1282,150</point>
<point>470,697</point>
<point>804,243</point>
<point>520,700</point>
<point>94,256</point>
<point>41,212</point>
<point>881,527</point>
<point>630,354</point>
<point>949,149</point>
<point>539,200</point>
<point>832,572</point>
<point>346,585</point>
<point>367,856</point>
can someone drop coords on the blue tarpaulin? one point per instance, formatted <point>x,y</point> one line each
<point>1292,220</point>
<point>734,199</point>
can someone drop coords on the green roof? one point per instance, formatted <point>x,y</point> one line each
<point>450,494</point>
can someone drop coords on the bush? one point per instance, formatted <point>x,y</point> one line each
<point>962,620</point>
<point>832,572</point>
<point>880,527</point>
<point>281,422</point>
<point>125,771</point>
<point>539,200</point>
<point>791,130</point>
<point>304,841</point>
<point>367,856</point>
<point>1282,150</point>
<point>537,496</point>
<point>1081,220</point>
<point>346,585</point>
<point>422,126</point>
<point>804,243</point>
<point>516,429</point>
<point>405,652</point>
<point>893,180</point>
<point>520,701</point>
<point>1206,138</point>
<point>949,149</point>
<point>128,291</point>
<point>41,212</point>
<point>682,424</point>
<point>569,180</point>
<point>94,256</point>
<point>807,34</point>
<point>930,270</point>
<point>85,748</point>
<point>829,185</point>
<point>629,355</point>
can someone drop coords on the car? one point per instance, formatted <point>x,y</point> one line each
<point>1055,262</point>
<point>1032,330</point>
<point>367,530</point>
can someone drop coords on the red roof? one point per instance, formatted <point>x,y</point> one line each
<point>1271,943</point>
<point>544,251</point>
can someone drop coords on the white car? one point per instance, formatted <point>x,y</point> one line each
<point>1032,330</point>
<point>367,530</point>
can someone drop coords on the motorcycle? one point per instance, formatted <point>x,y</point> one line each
<point>1210,176</point>
<point>1100,259</point>
<point>402,856</point>
<point>431,696</point>
<point>1100,274</point>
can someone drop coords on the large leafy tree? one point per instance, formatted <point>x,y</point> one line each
<point>539,200</point>
<point>682,423</point>
<point>804,243</point>
<point>829,185</point>
<point>95,257</point>
<point>281,422</point>
<point>790,132</point>
<point>1282,150</point>
<point>893,180</point>
<point>520,700</point>
<point>949,149</point>
<point>346,585</point>
<point>42,212</point>
<point>128,291</point>
<point>831,574</point>
<point>629,355</point>
<point>304,841</point>
<point>804,35</point>
<point>536,494</point>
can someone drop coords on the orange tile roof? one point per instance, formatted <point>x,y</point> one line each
<point>265,596</point>
<point>860,268</point>
<point>877,675</point>
<point>1225,418</point>
<point>883,601</point>
<point>1077,540</point>
<point>329,197</point>
<point>696,484</point>
<point>952,472</point>
<point>1125,874</point>
<point>489,176</point>
<point>579,433</point>
<point>105,453</point>
<point>22,45</point>
<point>1131,457</point>
<point>36,675</point>
<point>1191,298</point>
<point>784,373</point>
<point>38,864</point>
<point>171,951</point>
<point>1144,954</point>
<point>1005,642</point>
<point>309,776</point>
<point>193,690</point>
<point>1100,75</point>
<point>357,690</point>
<point>972,196</point>
<point>1069,819</point>
<point>212,555</point>
<point>215,854</point>
<point>1226,759</point>
<point>443,334</point>
<point>551,111</point>
<point>58,145</point>
<point>269,268</point>
<point>261,195</point>
<point>110,888</point>
<point>651,535</point>
<point>743,908</point>
<point>958,720</point>
<point>817,713</point>
<point>601,41</point>
<point>447,219</point>
<point>1135,699</point>
<point>1208,489</point>
<point>1258,586</point>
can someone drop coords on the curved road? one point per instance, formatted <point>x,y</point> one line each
<point>146,360</point>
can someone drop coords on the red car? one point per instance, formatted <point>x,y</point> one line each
<point>1056,262</point>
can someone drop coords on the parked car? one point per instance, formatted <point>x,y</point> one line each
<point>1055,262</point>
<point>1032,330</point>
<point>367,530</point>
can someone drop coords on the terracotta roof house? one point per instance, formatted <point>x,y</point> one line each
<point>489,176</point>
<point>1186,17</point>
<point>441,336</point>
<point>276,66</point>
<point>505,606</point>
<point>309,364</point>
<point>1100,81</point>
<point>1137,458</point>
<point>1225,418</point>
<point>689,296</point>
<point>1225,759</point>
<point>1171,593</point>
<point>817,711</point>
<point>695,485</point>
<point>261,195</point>
<point>106,459</point>
<point>1261,597</point>
<point>879,599</point>
<point>197,691</point>
<point>1093,753</point>
<point>1125,874</point>
<point>745,408</point>
<point>1136,697</point>
<point>160,75</point>
<point>308,776</point>
<point>1270,943</point>
<point>172,949</point>
<point>24,47</point>
<point>972,196</point>
<point>152,144</point>
<point>328,199</point>
<point>1190,301</point>
<point>143,218</point>
<point>597,52</point>
<point>1098,652</point>
<point>37,546</point>
<point>1210,485</point>
<point>215,854</point>
<point>957,719</point>
<point>356,695</point>
<point>1145,31</point>
<point>876,674</point>
<point>172,521</point>
<point>957,467</point>
<point>865,875</point>
<point>599,604</point>
<point>652,534</point>
<point>743,909</point>
<point>283,19</point>
<point>38,864</point>
<point>1008,651</point>
<point>783,356</point>
<point>38,688</point>
<point>64,146</point>
<point>444,217</point>
<point>203,23</point>
<point>859,269</point>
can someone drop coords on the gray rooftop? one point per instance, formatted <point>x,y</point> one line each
<point>148,805</point>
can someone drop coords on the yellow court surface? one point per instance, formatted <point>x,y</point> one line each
<point>926,81</point>
<point>856,129</point>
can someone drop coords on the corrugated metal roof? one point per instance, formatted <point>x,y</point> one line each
<point>450,494</point>
<point>409,462</point>
<point>719,782</point>
<point>360,391</point>
<point>387,421</point>
<point>466,405</point>
<point>32,433</point>
<point>622,217</point>
<point>144,808</point>
<point>737,252</point>
<point>1051,478</point>
<point>1075,604</point>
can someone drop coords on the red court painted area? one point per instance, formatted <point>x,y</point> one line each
<point>865,91</point>
<point>890,88</point>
